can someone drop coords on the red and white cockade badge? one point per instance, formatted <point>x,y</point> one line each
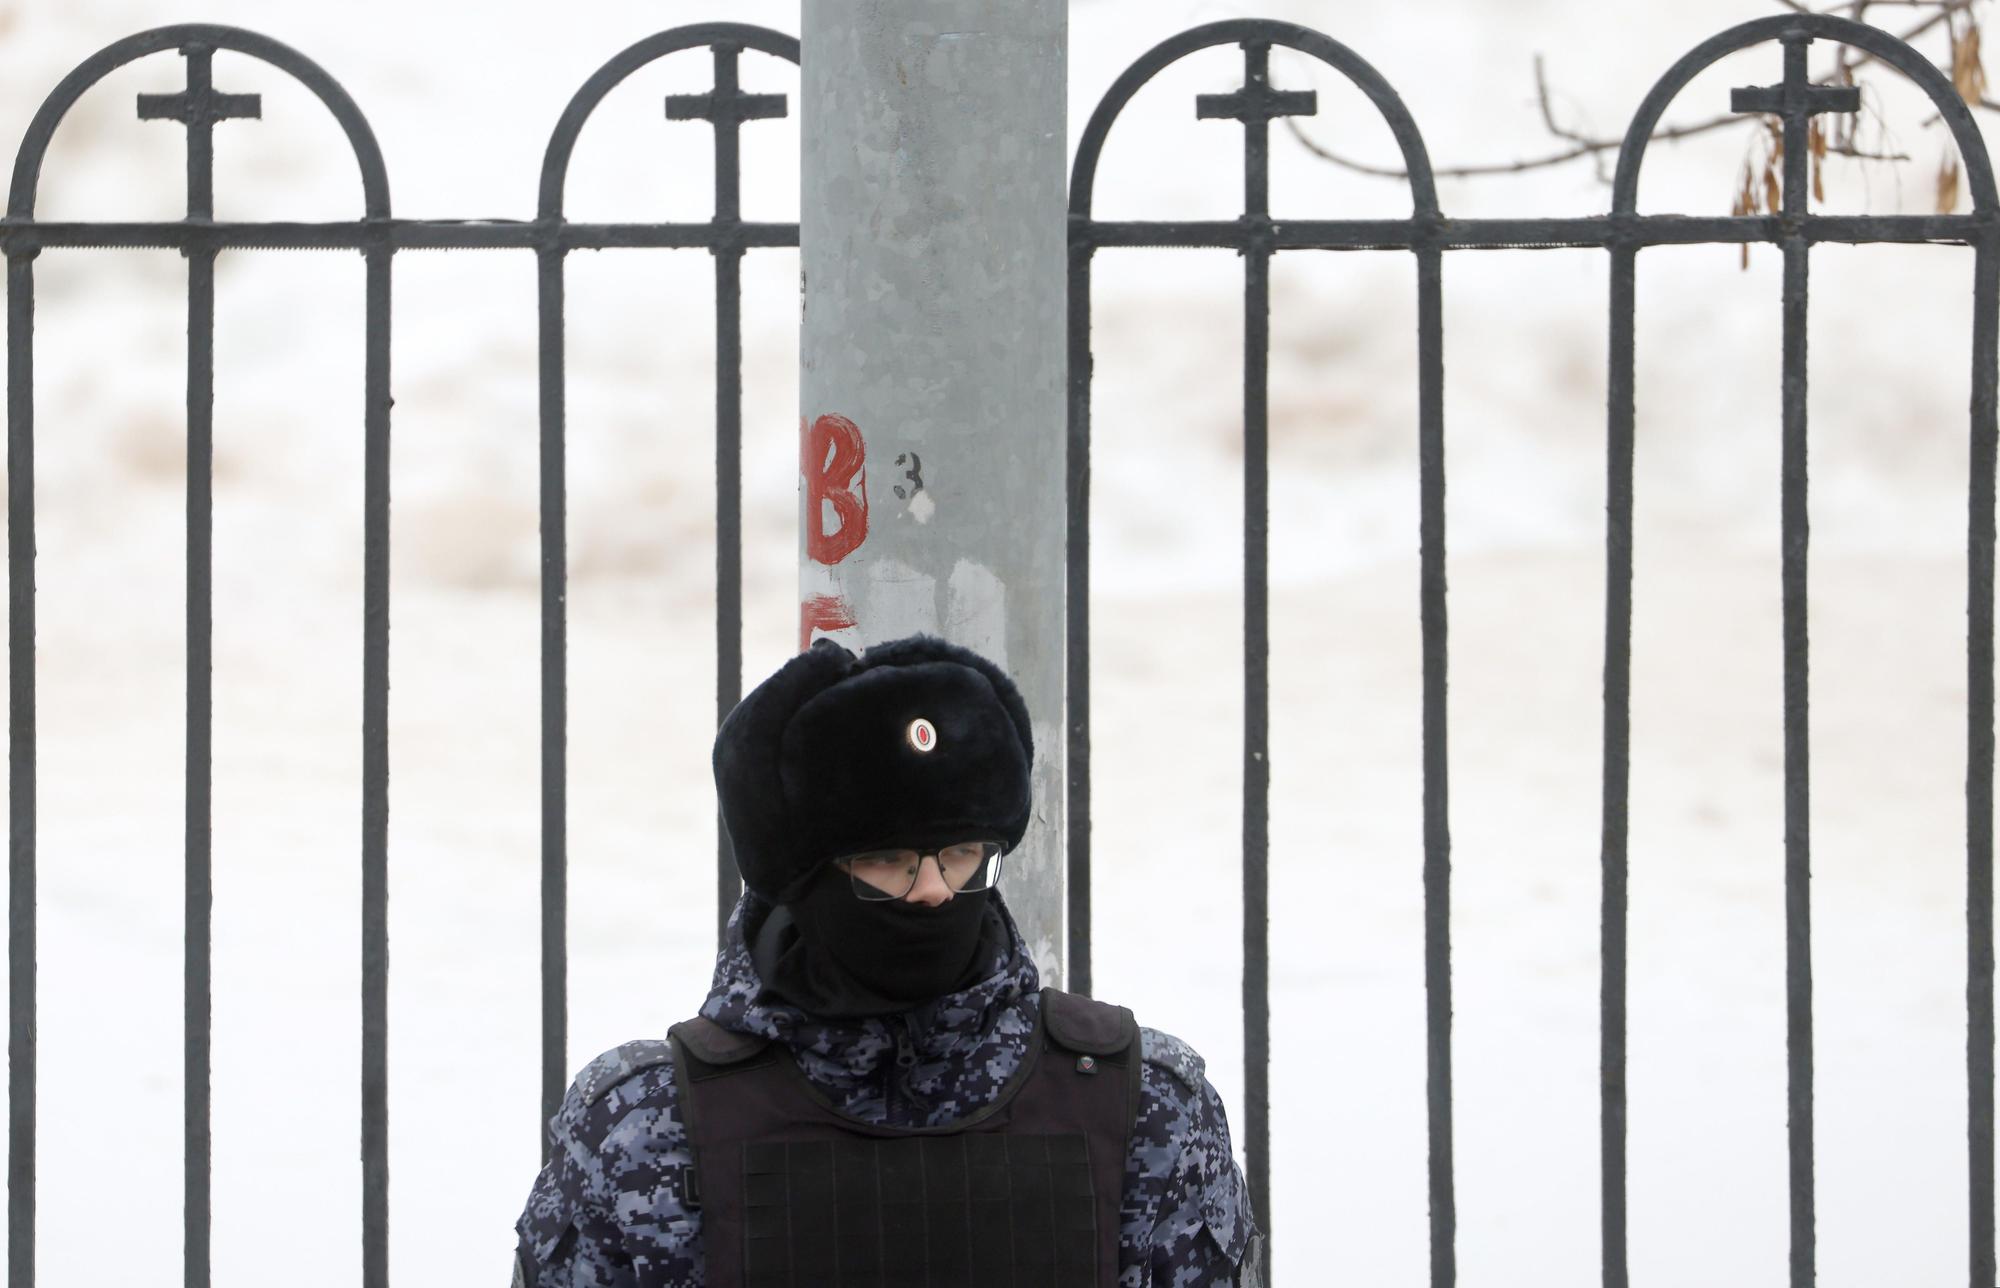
<point>922,735</point>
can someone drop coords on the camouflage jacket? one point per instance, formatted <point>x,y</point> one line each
<point>610,1210</point>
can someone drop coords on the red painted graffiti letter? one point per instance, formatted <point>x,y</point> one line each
<point>822,613</point>
<point>831,456</point>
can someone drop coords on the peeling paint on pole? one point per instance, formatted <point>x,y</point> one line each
<point>932,243</point>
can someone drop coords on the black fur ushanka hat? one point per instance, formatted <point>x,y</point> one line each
<point>916,742</point>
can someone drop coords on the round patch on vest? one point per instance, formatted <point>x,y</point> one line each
<point>922,735</point>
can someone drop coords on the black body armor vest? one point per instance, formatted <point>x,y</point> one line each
<point>1023,1193</point>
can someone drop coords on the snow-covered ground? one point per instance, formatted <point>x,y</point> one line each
<point>462,103</point>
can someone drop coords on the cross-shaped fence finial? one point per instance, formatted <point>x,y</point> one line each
<point>1794,101</point>
<point>1256,102</point>
<point>1256,105</point>
<point>199,107</point>
<point>726,107</point>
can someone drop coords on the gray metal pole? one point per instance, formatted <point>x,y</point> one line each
<point>932,245</point>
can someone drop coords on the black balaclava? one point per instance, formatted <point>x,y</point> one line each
<point>836,955</point>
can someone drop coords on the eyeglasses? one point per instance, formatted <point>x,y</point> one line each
<point>882,875</point>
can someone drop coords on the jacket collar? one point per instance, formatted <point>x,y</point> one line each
<point>894,1066</point>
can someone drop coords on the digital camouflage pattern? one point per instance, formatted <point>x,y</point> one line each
<point>611,1208</point>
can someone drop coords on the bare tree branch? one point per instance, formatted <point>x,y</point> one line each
<point>1945,10</point>
<point>1587,148</point>
<point>1549,122</point>
<point>1596,148</point>
<point>1398,172</point>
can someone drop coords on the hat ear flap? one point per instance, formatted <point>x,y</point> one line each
<point>755,814</point>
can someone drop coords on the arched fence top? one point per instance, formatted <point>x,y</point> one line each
<point>1250,31</point>
<point>555,162</point>
<point>190,37</point>
<point>1801,26</point>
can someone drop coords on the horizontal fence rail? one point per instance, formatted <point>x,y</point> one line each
<point>25,236</point>
<point>1256,235</point>
<point>726,236</point>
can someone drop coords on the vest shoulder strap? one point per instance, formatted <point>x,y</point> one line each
<point>715,1047</point>
<point>1086,1026</point>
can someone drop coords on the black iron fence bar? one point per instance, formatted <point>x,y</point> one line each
<point>1257,237</point>
<point>1592,231</point>
<point>1795,103</point>
<point>1256,986</point>
<point>728,535</point>
<point>199,108</point>
<point>21,773</point>
<point>1797,679</point>
<point>1437,817</point>
<point>555,691</point>
<point>20,236</point>
<point>1076,658</point>
<point>1979,757</point>
<point>375,774</point>
<point>727,108</point>
<point>197,939</point>
<point>1255,104</point>
<point>726,236</point>
<point>1617,766</point>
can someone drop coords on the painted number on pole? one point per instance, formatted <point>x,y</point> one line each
<point>914,475</point>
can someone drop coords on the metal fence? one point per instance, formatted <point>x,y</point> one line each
<point>1256,236</point>
<point>378,236</point>
<point>1427,233</point>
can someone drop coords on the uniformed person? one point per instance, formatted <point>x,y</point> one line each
<point>877,1090</point>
